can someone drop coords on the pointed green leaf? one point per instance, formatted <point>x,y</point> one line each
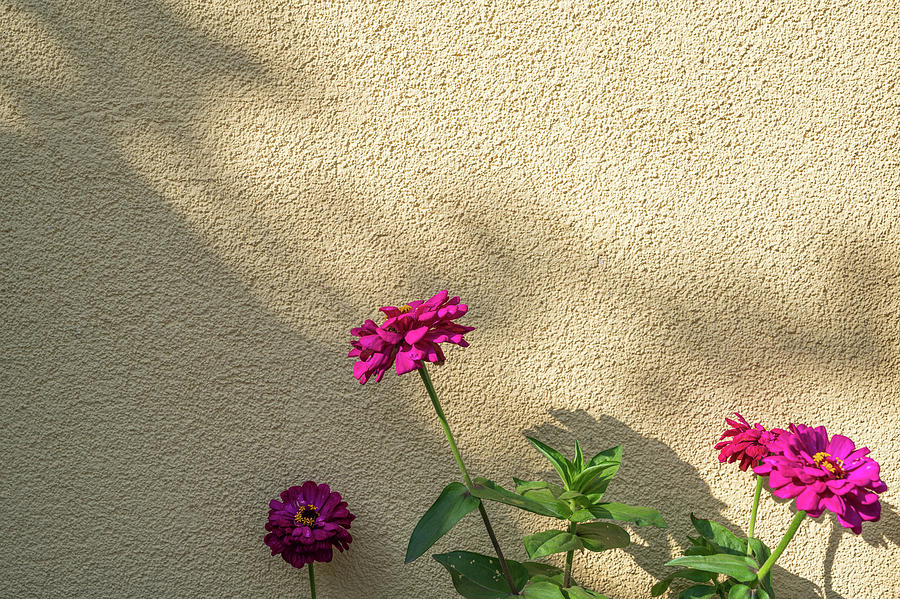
<point>454,502</point>
<point>542,590</point>
<point>761,552</point>
<point>661,587</point>
<point>699,591</point>
<point>486,489</point>
<point>613,454</point>
<point>582,593</point>
<point>595,479</point>
<point>477,576</point>
<point>642,516</point>
<point>724,539</point>
<point>579,456</point>
<point>550,542</point>
<point>600,536</point>
<point>560,463</point>
<point>739,567</point>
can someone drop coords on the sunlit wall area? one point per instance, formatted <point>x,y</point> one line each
<point>659,213</point>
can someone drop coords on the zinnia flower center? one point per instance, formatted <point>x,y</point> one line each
<point>306,515</point>
<point>404,309</point>
<point>830,463</point>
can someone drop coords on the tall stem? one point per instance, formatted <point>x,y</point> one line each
<point>567,580</point>
<point>791,531</point>
<point>759,485</point>
<point>462,468</point>
<point>312,581</point>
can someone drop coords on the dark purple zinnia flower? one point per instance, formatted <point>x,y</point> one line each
<point>749,444</point>
<point>825,474</point>
<point>307,522</point>
<point>408,337</point>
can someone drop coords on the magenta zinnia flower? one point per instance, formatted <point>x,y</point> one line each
<point>749,444</point>
<point>408,337</point>
<point>825,474</point>
<point>307,523</point>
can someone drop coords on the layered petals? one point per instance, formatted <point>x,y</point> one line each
<point>825,473</point>
<point>408,337</point>
<point>307,524</point>
<point>748,443</point>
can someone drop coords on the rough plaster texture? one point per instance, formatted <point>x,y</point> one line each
<point>659,213</point>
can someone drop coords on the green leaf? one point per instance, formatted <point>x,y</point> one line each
<point>545,493</point>
<point>579,456</point>
<point>560,463</point>
<point>660,587</point>
<point>742,591</point>
<point>584,481</point>
<point>486,489</point>
<point>529,485</point>
<point>538,572</point>
<point>582,593</point>
<point>642,516</point>
<point>761,552</point>
<point>613,454</point>
<point>725,540</point>
<point>543,590</point>
<point>693,575</point>
<point>541,569</point>
<point>739,567</point>
<point>454,502</point>
<point>570,497</point>
<point>739,591</point>
<point>699,591</point>
<point>477,576</point>
<point>600,536</point>
<point>550,542</point>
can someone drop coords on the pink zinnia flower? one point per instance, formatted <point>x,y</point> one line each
<point>308,522</point>
<point>825,474</point>
<point>408,337</point>
<point>749,444</point>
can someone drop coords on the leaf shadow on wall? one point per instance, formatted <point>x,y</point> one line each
<point>652,469</point>
<point>150,389</point>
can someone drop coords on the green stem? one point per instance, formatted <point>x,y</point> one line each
<point>312,581</point>
<point>791,531</point>
<point>759,485</point>
<point>567,580</point>
<point>462,468</point>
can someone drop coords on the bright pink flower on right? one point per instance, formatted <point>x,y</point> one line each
<point>825,474</point>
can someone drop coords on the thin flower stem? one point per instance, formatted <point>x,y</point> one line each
<point>462,468</point>
<point>791,531</point>
<point>567,581</point>
<point>759,485</point>
<point>312,581</point>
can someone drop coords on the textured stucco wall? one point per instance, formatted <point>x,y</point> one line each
<point>659,212</point>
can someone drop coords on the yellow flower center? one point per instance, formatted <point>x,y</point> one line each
<point>830,463</point>
<point>404,309</point>
<point>306,515</point>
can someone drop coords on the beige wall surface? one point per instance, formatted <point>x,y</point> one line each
<point>659,212</point>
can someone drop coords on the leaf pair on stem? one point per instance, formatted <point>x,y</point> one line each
<point>579,501</point>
